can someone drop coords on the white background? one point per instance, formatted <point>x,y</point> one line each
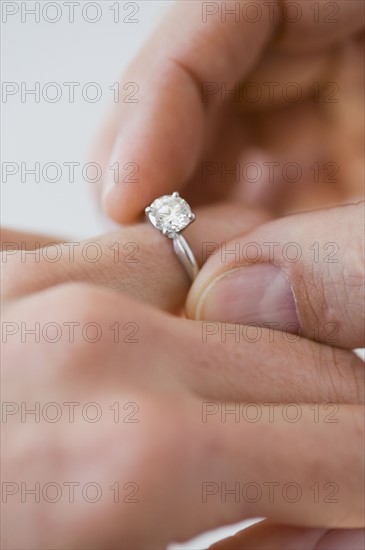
<point>62,132</point>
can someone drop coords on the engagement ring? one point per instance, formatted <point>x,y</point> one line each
<point>171,214</point>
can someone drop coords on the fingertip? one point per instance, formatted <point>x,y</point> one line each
<point>122,205</point>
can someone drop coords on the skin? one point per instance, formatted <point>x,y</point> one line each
<point>178,130</point>
<point>314,278</point>
<point>182,373</point>
<point>179,377</point>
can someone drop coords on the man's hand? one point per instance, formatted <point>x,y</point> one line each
<point>190,388</point>
<point>186,133</point>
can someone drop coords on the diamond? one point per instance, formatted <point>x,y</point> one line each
<point>170,214</point>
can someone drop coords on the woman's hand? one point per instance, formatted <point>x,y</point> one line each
<point>187,413</point>
<point>289,137</point>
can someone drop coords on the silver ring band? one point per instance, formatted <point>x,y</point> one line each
<point>186,256</point>
<point>171,214</point>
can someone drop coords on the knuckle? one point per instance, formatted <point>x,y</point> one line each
<point>82,312</point>
<point>339,374</point>
<point>79,301</point>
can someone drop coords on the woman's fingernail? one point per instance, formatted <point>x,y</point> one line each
<point>260,294</point>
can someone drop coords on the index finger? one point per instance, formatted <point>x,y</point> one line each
<point>157,140</point>
<point>163,135</point>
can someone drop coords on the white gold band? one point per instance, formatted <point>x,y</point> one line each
<point>186,256</point>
